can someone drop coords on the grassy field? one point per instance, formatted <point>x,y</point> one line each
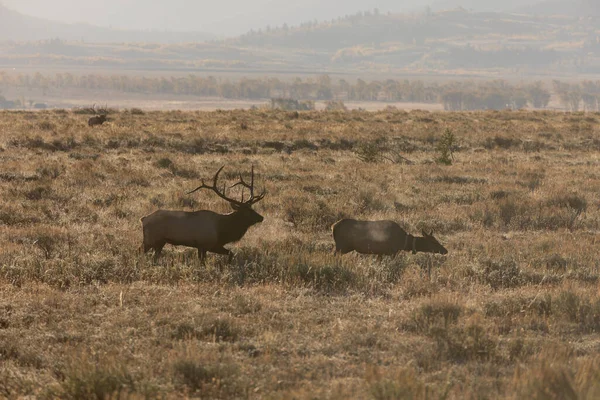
<point>513,311</point>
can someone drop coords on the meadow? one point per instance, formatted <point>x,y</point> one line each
<point>513,311</point>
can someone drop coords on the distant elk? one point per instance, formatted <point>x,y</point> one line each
<point>97,119</point>
<point>205,230</point>
<point>380,237</point>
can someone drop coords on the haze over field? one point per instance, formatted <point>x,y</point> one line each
<point>239,50</point>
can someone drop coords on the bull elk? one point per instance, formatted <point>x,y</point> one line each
<point>380,237</point>
<point>97,120</point>
<point>205,230</point>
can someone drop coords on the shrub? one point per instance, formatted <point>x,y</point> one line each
<point>445,147</point>
<point>460,344</point>
<point>369,152</point>
<point>136,111</point>
<point>335,105</point>
<point>501,274</point>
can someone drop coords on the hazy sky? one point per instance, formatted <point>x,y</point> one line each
<point>223,17</point>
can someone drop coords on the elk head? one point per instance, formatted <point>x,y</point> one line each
<point>242,208</point>
<point>432,244</point>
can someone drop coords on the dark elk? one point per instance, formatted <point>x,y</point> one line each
<point>380,237</point>
<point>97,120</point>
<point>205,230</point>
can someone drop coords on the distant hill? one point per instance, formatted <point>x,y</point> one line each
<point>482,5</point>
<point>373,30</point>
<point>451,41</point>
<point>578,8</point>
<point>18,27</point>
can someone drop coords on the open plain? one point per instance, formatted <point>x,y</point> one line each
<point>513,311</point>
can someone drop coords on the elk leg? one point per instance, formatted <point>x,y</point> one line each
<point>157,249</point>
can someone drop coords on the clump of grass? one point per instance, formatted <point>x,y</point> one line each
<point>38,193</point>
<point>312,215</point>
<point>300,144</point>
<point>46,125</point>
<point>37,142</point>
<point>460,344</point>
<point>369,201</point>
<point>435,315</point>
<point>185,331</point>
<point>22,357</point>
<point>547,382</point>
<point>50,171</point>
<point>245,305</point>
<point>501,142</point>
<point>213,380</point>
<point>551,376</point>
<point>581,311</point>
<point>571,201</point>
<point>374,151</point>
<point>532,180</point>
<point>167,163</point>
<point>460,180</point>
<point>221,330</point>
<point>404,384</point>
<point>92,380</point>
<point>326,277</point>
<point>501,274</point>
<point>513,212</point>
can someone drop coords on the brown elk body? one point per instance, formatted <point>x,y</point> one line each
<point>380,237</point>
<point>97,120</point>
<point>205,230</point>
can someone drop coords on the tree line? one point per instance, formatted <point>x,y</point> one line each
<point>464,95</point>
<point>575,96</point>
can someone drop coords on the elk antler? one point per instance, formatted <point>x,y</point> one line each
<point>222,194</point>
<point>253,199</point>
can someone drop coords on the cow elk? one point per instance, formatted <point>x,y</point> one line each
<point>205,230</point>
<point>381,238</point>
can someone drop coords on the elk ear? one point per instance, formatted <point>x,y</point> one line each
<point>424,233</point>
<point>234,206</point>
<point>431,233</point>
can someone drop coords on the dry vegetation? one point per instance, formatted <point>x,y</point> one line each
<point>512,312</point>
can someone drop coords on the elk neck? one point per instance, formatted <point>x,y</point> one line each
<point>232,228</point>
<point>410,243</point>
<point>416,244</point>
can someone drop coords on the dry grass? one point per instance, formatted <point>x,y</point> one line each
<point>512,312</point>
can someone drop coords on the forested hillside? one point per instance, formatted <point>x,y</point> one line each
<point>448,42</point>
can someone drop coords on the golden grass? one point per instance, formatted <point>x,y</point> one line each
<point>512,312</point>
